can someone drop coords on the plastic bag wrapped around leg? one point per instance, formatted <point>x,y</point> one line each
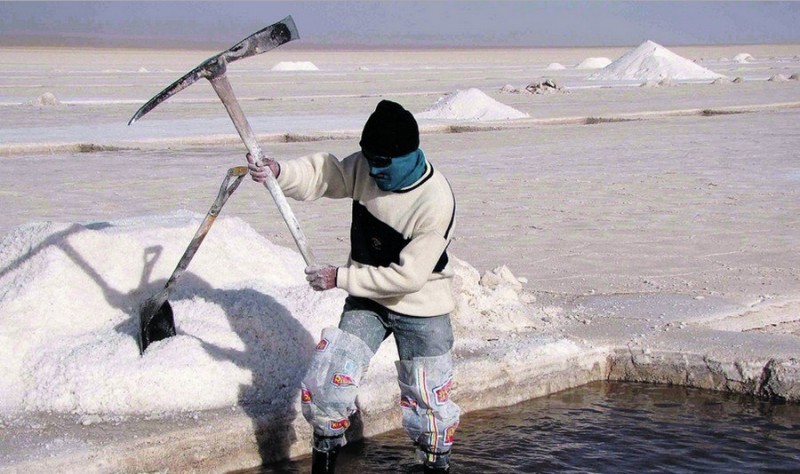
<point>430,417</point>
<point>330,386</point>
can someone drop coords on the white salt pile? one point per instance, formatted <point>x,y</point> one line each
<point>46,99</point>
<point>593,63</point>
<point>778,78</point>
<point>295,66</point>
<point>247,321</point>
<point>555,67</point>
<point>509,89</point>
<point>470,104</point>
<point>743,58</point>
<point>651,61</point>
<point>143,70</point>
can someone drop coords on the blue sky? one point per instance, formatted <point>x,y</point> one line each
<point>404,23</point>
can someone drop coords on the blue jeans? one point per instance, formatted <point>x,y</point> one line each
<point>424,374</point>
<point>415,336</point>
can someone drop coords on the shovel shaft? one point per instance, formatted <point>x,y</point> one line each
<point>225,92</point>
<point>225,190</point>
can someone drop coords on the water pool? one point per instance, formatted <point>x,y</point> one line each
<point>604,428</point>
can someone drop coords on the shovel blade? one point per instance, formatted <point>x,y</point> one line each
<point>156,322</point>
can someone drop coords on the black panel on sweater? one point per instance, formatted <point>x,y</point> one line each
<point>375,243</point>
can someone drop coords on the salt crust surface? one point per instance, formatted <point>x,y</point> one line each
<point>247,321</point>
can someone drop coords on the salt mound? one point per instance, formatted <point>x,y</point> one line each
<point>509,89</point>
<point>470,104</point>
<point>743,58</point>
<point>143,70</point>
<point>69,299</point>
<point>46,99</point>
<point>247,320</point>
<point>651,61</point>
<point>555,67</point>
<point>593,63</point>
<point>295,66</point>
<point>778,78</point>
<point>494,301</point>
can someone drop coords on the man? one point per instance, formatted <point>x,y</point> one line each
<point>397,279</point>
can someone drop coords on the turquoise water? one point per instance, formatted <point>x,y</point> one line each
<point>604,428</point>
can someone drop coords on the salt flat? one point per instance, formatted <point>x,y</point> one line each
<point>678,202</point>
<point>640,223</point>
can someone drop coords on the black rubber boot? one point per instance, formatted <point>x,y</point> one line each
<point>436,468</point>
<point>323,462</point>
<point>434,463</point>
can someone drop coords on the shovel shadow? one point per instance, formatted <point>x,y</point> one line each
<point>275,348</point>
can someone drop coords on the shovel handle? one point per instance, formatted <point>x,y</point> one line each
<point>225,190</point>
<point>222,87</point>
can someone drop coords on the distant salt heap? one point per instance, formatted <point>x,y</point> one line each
<point>651,61</point>
<point>295,66</point>
<point>46,99</point>
<point>470,104</point>
<point>509,89</point>
<point>593,63</point>
<point>555,67</point>
<point>743,58</point>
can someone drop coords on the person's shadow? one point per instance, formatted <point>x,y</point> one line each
<point>276,350</point>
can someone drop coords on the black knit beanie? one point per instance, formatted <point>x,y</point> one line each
<point>390,131</point>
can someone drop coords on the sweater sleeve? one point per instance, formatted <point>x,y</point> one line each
<point>319,175</point>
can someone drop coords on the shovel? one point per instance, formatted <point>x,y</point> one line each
<point>214,70</point>
<point>156,320</point>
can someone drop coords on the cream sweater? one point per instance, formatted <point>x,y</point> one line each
<point>398,255</point>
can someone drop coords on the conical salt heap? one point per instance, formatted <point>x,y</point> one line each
<point>651,61</point>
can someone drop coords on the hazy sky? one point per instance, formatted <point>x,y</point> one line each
<point>379,23</point>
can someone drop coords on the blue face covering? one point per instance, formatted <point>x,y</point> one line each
<point>402,172</point>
